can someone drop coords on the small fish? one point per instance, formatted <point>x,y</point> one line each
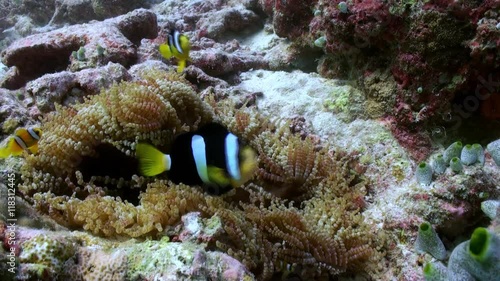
<point>177,46</point>
<point>22,140</point>
<point>212,157</point>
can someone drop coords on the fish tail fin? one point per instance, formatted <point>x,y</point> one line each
<point>9,148</point>
<point>151,161</point>
<point>181,66</point>
<point>165,51</point>
<point>4,152</point>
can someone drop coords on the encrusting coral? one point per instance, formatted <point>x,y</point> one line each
<point>301,214</point>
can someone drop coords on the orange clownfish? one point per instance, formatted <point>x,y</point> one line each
<point>22,140</point>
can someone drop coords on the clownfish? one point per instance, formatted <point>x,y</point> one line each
<point>22,140</point>
<point>211,157</point>
<point>178,46</point>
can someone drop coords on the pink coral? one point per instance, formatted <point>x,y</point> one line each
<point>416,142</point>
<point>424,46</point>
<point>291,17</point>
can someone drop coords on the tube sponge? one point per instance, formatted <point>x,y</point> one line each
<point>456,165</point>
<point>320,42</point>
<point>491,208</point>
<point>453,150</point>
<point>494,150</point>
<point>343,7</point>
<point>480,153</point>
<point>428,241</point>
<point>439,165</point>
<point>468,155</point>
<point>424,174</point>
<point>476,259</point>
<point>435,271</point>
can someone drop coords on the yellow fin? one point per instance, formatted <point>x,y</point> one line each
<point>4,148</point>
<point>248,166</point>
<point>4,152</point>
<point>218,176</point>
<point>165,51</point>
<point>12,148</point>
<point>151,161</point>
<point>181,65</point>
<point>186,47</point>
<point>34,148</point>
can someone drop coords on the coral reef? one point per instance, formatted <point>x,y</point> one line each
<point>437,54</point>
<point>335,195</point>
<point>161,105</point>
<point>64,255</point>
<point>152,109</point>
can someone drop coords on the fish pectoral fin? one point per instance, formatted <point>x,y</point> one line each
<point>151,161</point>
<point>218,176</point>
<point>34,148</point>
<point>165,51</point>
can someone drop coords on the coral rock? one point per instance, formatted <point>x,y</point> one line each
<point>291,18</point>
<point>97,264</point>
<point>222,23</point>
<point>217,63</point>
<point>50,252</point>
<point>36,55</point>
<point>80,11</point>
<point>13,112</point>
<point>69,87</point>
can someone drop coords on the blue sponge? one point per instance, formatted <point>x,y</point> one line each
<point>476,259</point>
<point>494,150</point>
<point>428,241</point>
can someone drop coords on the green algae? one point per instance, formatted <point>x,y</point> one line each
<point>339,100</point>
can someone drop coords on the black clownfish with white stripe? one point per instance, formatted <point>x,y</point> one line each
<point>211,156</point>
<point>23,139</point>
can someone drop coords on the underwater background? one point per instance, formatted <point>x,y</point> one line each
<point>376,128</point>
